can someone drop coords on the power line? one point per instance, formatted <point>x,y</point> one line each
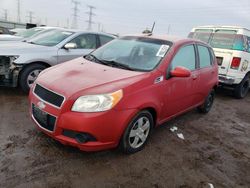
<point>75,13</point>
<point>30,16</point>
<point>5,16</point>
<point>91,14</point>
<point>18,11</point>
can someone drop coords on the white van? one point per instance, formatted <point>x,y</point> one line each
<point>232,49</point>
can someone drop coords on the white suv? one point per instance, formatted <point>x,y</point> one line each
<point>232,49</point>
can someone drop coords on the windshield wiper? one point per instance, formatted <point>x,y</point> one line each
<point>110,63</point>
<point>93,58</point>
<point>113,63</point>
<point>29,42</point>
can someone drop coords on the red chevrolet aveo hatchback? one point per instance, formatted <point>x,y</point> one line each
<point>117,94</point>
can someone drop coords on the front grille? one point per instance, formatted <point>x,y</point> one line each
<point>48,96</point>
<point>44,119</point>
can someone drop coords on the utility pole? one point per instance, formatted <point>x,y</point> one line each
<point>18,11</point>
<point>75,13</point>
<point>67,26</point>
<point>169,27</point>
<point>99,27</point>
<point>91,14</point>
<point>5,14</point>
<point>30,16</point>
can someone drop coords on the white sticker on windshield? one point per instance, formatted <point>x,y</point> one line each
<point>162,51</point>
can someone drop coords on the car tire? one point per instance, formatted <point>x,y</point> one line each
<point>28,75</point>
<point>137,133</point>
<point>242,89</point>
<point>207,105</point>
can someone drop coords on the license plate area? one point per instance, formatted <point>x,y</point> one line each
<point>44,120</point>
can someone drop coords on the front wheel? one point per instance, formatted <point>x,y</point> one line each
<point>28,76</point>
<point>207,105</point>
<point>137,133</point>
<point>242,89</point>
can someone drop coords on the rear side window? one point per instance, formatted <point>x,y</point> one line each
<point>104,39</point>
<point>185,57</point>
<point>205,58</point>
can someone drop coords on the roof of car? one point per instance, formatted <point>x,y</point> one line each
<point>223,26</point>
<point>83,31</point>
<point>170,38</point>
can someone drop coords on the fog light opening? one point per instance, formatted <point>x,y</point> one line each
<point>81,138</point>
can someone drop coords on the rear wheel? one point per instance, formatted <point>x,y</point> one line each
<point>242,89</point>
<point>207,105</point>
<point>28,76</point>
<point>137,133</point>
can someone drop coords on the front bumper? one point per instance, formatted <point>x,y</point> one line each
<point>8,72</point>
<point>106,127</point>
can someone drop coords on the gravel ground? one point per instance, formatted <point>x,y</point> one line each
<point>216,150</point>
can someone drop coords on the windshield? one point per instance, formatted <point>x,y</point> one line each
<point>50,38</point>
<point>29,32</point>
<point>133,53</point>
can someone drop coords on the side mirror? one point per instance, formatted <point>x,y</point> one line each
<point>180,72</point>
<point>70,46</point>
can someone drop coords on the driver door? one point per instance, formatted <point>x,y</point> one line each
<point>85,44</point>
<point>180,91</point>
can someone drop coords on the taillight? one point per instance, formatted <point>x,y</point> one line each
<point>235,63</point>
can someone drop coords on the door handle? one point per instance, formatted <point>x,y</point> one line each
<point>194,77</point>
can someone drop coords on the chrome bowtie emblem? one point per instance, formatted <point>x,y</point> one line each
<point>41,105</point>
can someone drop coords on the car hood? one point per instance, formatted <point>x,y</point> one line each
<point>19,48</point>
<point>81,77</point>
<point>6,37</point>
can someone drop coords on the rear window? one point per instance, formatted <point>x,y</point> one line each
<point>224,39</point>
<point>202,34</point>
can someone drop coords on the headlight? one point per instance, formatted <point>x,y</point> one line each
<point>97,103</point>
<point>13,58</point>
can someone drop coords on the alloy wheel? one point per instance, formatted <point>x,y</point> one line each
<point>139,132</point>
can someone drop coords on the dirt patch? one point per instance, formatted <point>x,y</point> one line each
<point>215,150</point>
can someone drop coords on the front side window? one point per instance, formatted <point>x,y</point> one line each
<point>51,38</point>
<point>185,57</point>
<point>85,41</point>
<point>135,53</point>
<point>204,55</point>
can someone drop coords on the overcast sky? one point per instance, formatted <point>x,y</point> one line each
<point>133,16</point>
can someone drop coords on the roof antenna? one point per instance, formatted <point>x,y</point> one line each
<point>151,33</point>
<point>148,32</point>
